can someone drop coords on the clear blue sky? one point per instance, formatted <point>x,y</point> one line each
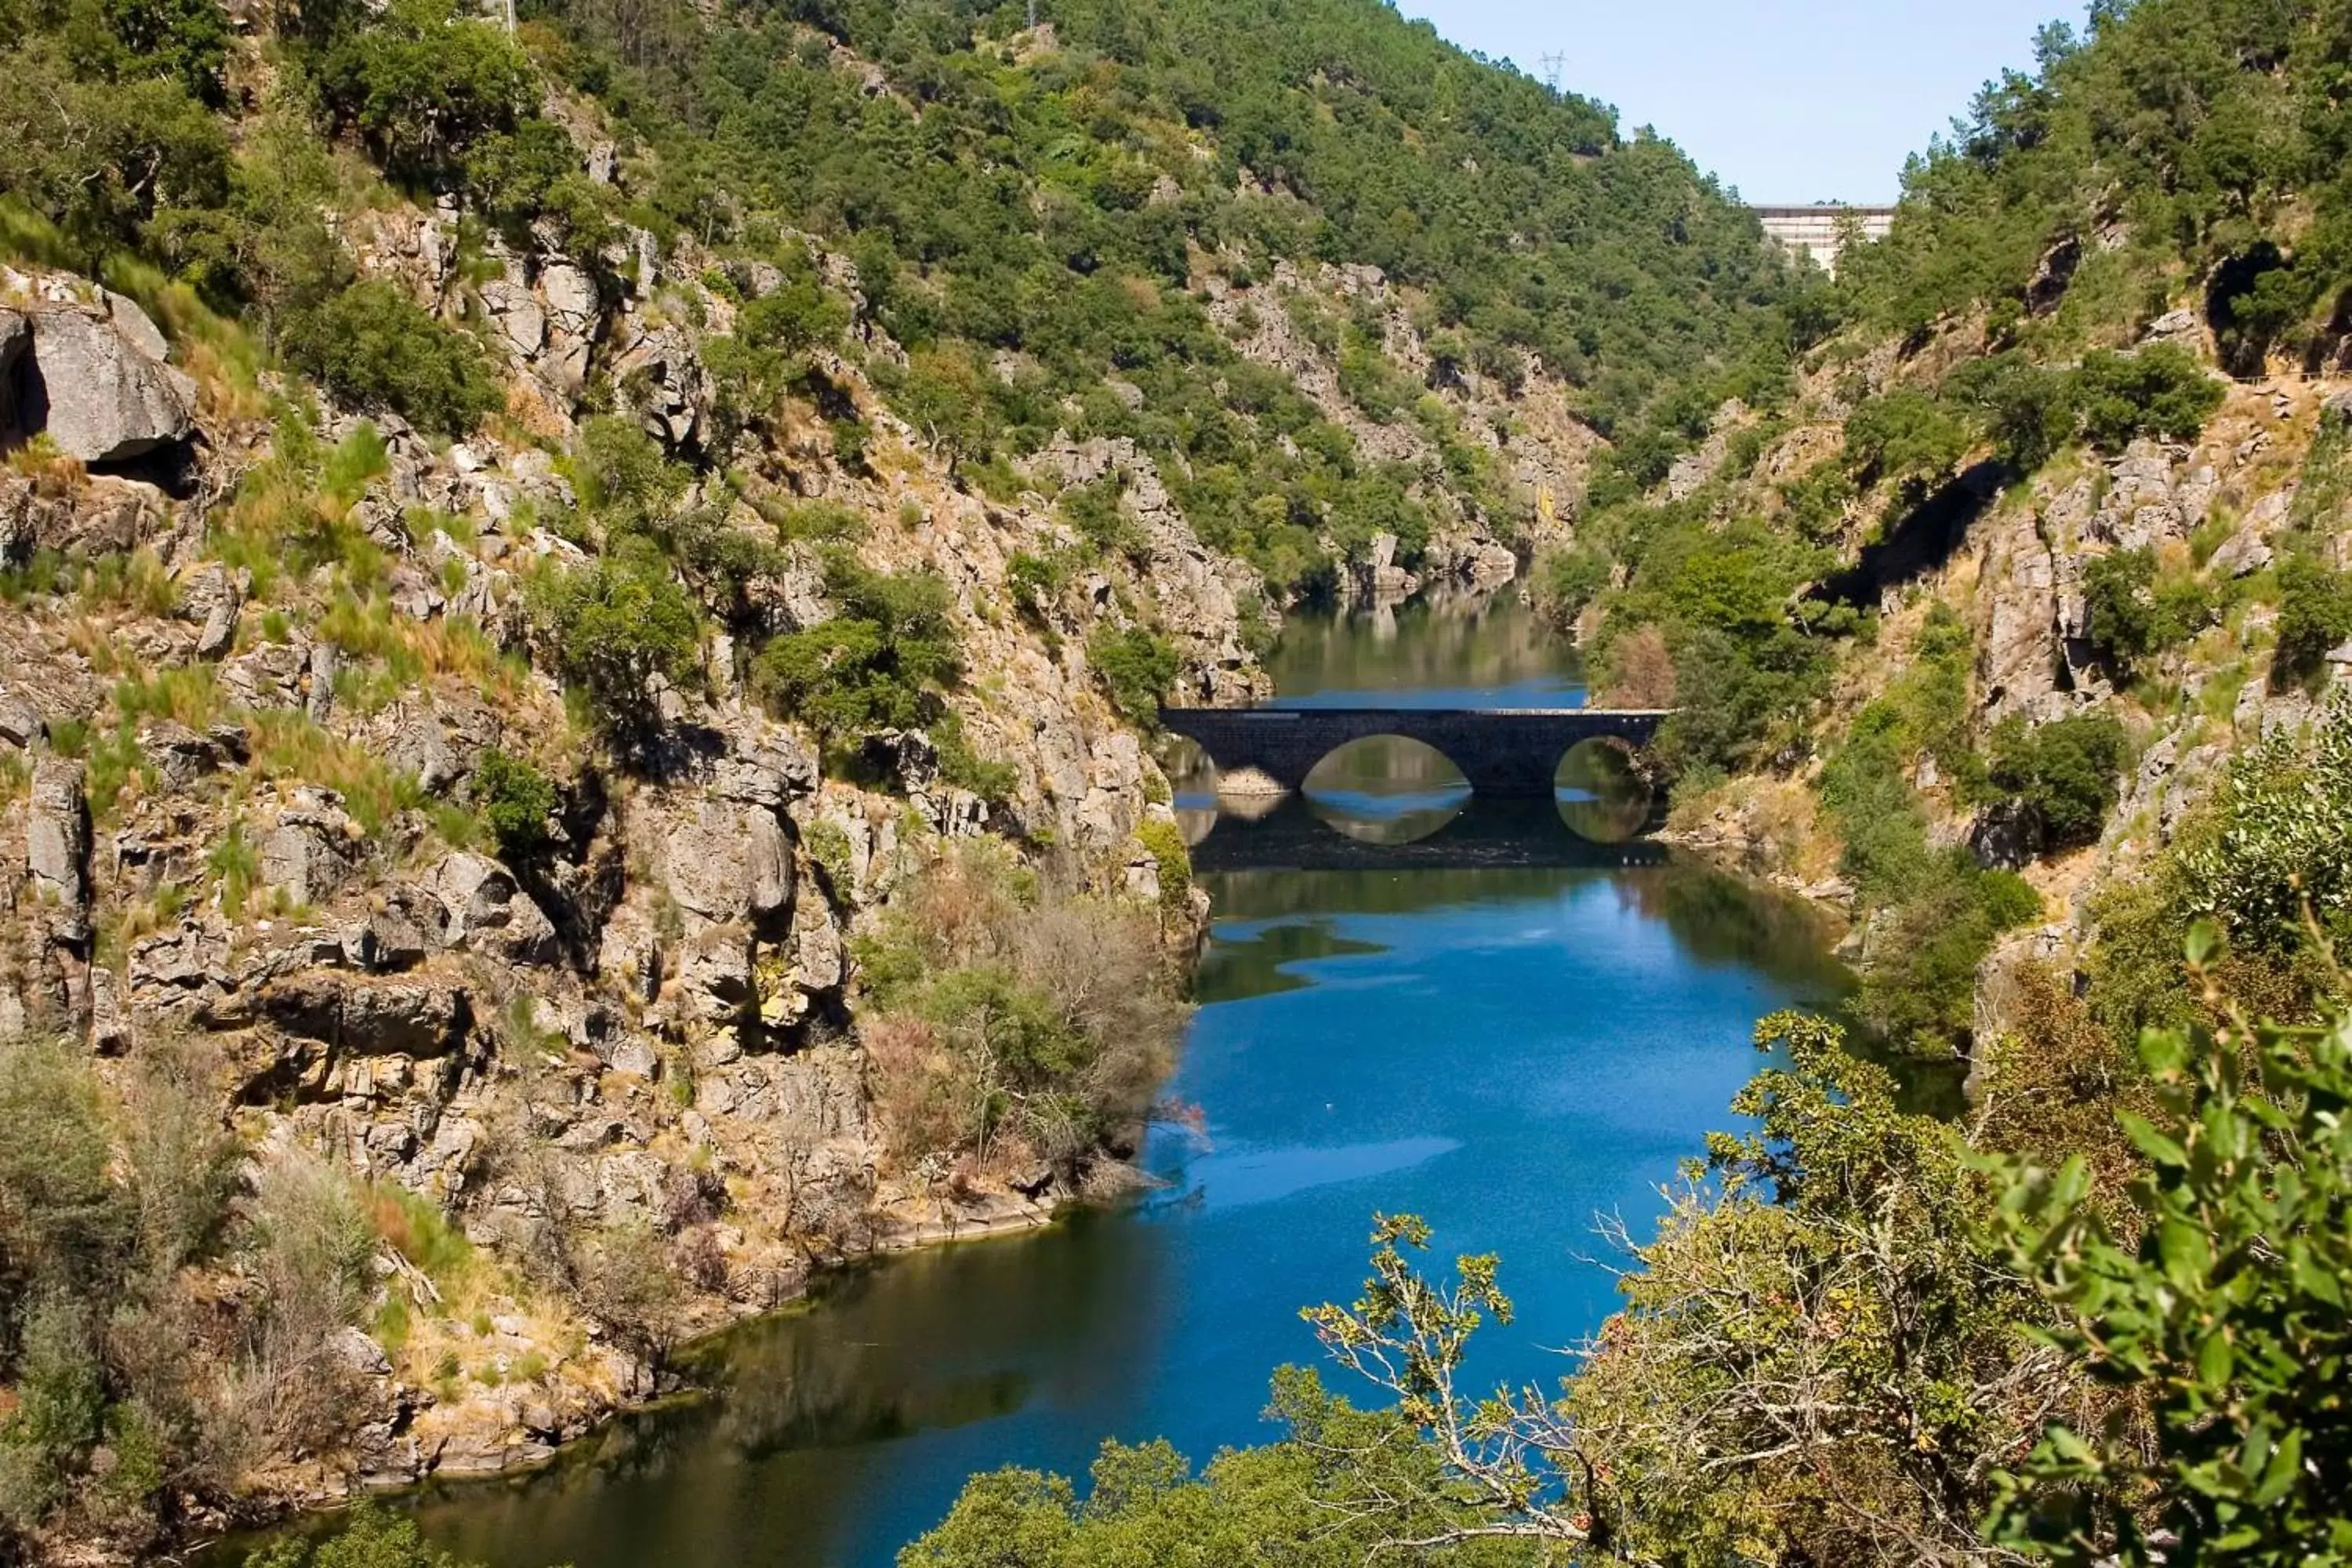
<point>1789,101</point>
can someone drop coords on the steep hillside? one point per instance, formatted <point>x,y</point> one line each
<point>583,609</point>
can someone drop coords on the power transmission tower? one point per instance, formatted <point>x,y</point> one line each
<point>1551,68</point>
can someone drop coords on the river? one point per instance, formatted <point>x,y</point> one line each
<point>1510,1050</point>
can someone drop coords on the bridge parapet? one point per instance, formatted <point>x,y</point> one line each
<point>1505,753</point>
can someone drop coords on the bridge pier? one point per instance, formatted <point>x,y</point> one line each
<point>1505,753</point>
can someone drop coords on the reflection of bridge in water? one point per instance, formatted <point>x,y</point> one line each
<point>1501,833</point>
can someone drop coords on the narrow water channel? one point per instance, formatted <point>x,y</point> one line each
<point>1510,1045</point>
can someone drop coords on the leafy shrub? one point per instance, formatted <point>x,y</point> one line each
<point>422,83</point>
<point>1906,437</point>
<point>612,626</point>
<point>2283,843</point>
<point>375,1537</point>
<point>100,157</point>
<point>378,349</point>
<point>2159,390</point>
<point>878,665</point>
<point>2215,1305</point>
<point>2133,616</point>
<point>515,800</point>
<point>2315,616</point>
<point>961,765</point>
<point>1173,859</point>
<point>1137,667</point>
<point>1567,580</point>
<point>1009,1025</point>
<point>1095,511</point>
<point>2065,772</point>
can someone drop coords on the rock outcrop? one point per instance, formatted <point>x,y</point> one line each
<point>93,378</point>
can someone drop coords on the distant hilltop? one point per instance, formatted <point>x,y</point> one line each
<point>1820,230</point>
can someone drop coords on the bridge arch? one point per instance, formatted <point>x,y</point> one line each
<point>1386,789</point>
<point>1602,793</point>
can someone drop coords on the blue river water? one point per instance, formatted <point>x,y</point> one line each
<point>1510,1051</point>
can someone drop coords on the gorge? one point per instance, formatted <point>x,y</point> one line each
<point>1517,1054</point>
<point>590,601</point>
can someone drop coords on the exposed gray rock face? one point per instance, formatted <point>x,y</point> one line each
<point>488,912</point>
<point>312,847</point>
<point>403,1017</point>
<point>212,597</point>
<point>57,843</point>
<point>2006,837</point>
<point>2140,507</point>
<point>2019,661</point>
<point>730,863</point>
<point>400,933</point>
<point>663,375</point>
<point>2242,554</point>
<point>180,756</point>
<point>102,396</point>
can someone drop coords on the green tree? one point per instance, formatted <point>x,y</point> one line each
<point>1137,666</point>
<point>422,83</point>
<point>516,801</point>
<point>376,347</point>
<point>613,626</point>
<point>878,664</point>
<point>374,1538</point>
<point>2065,772</point>
<point>2221,1309</point>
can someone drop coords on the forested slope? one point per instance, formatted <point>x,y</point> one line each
<point>584,602</point>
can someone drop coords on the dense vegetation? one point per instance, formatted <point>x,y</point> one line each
<point>1029,216</point>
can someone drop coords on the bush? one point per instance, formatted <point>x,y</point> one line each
<point>990,778</point>
<point>515,800</point>
<point>1174,860</point>
<point>373,1538</point>
<point>613,626</point>
<point>2315,616</point>
<point>2159,390</point>
<point>1007,1024</point>
<point>1567,580</point>
<point>1137,667</point>
<point>2132,615</point>
<point>2220,1305</point>
<point>376,348</point>
<point>878,665</point>
<point>422,83</point>
<point>2065,772</point>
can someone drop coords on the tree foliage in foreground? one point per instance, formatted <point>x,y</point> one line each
<point>2225,1316</point>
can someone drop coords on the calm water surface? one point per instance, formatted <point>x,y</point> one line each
<point>1508,1051</point>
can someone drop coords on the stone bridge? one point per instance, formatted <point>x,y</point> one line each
<point>1504,753</point>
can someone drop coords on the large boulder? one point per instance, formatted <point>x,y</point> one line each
<point>490,913</point>
<point>312,848</point>
<point>384,1016</point>
<point>97,388</point>
<point>728,863</point>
